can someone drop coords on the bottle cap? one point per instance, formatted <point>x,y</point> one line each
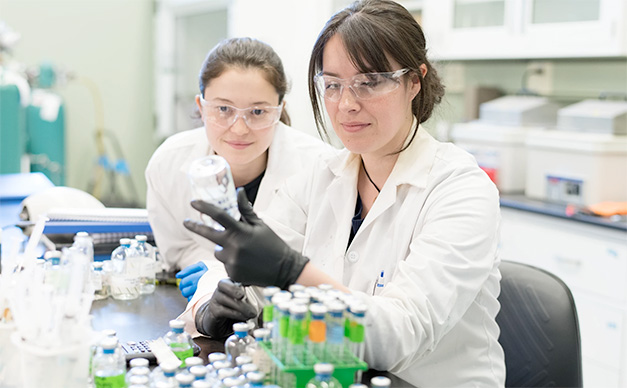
<point>97,265</point>
<point>109,333</point>
<point>216,356</point>
<point>138,362</point>
<point>256,376</point>
<point>323,368</point>
<point>193,361</point>
<point>197,370</point>
<point>281,297</point>
<point>125,241</point>
<point>109,343</point>
<point>240,327</point>
<point>169,366</point>
<point>380,381</point>
<point>222,364</point>
<point>81,234</point>
<point>184,378</point>
<point>243,359</point>
<point>247,368</point>
<point>177,324</point>
<point>201,384</point>
<point>227,372</point>
<point>318,309</point>
<point>296,287</point>
<point>325,287</point>
<point>231,382</point>
<point>298,309</point>
<point>141,237</point>
<point>139,380</point>
<point>261,333</point>
<point>358,309</point>
<point>52,254</point>
<point>139,370</point>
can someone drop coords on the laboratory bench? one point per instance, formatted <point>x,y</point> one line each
<point>147,317</point>
<point>590,255</point>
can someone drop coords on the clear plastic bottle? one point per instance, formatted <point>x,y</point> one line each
<point>55,273</point>
<point>237,344</point>
<point>123,279</point>
<point>324,377</point>
<point>101,288</point>
<point>146,257</point>
<point>179,341</point>
<point>109,367</point>
<point>84,243</point>
<point>380,382</point>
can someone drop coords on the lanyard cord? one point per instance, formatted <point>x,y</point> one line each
<point>368,176</point>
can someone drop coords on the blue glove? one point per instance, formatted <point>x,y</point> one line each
<point>189,279</point>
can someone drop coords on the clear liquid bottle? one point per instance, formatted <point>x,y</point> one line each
<point>238,343</point>
<point>324,377</point>
<point>123,279</point>
<point>380,382</point>
<point>109,367</point>
<point>84,243</point>
<point>179,341</point>
<point>146,257</point>
<point>101,288</point>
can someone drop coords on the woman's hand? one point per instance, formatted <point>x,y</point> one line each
<point>251,252</point>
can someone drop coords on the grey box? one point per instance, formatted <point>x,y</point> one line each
<point>597,116</point>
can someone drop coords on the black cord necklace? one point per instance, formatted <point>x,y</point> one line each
<point>368,176</point>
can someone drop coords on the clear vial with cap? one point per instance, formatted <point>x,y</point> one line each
<point>101,288</point>
<point>237,344</point>
<point>198,371</point>
<point>179,341</point>
<point>109,368</point>
<point>146,257</point>
<point>324,377</point>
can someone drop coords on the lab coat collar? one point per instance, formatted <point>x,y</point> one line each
<point>412,166</point>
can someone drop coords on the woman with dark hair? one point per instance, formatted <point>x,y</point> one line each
<point>406,224</point>
<point>241,103</point>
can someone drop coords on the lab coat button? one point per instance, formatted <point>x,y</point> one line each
<point>353,256</point>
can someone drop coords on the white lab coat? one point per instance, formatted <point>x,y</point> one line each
<point>434,231</point>
<point>169,192</point>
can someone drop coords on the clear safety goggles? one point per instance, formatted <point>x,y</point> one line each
<point>364,86</point>
<point>255,117</point>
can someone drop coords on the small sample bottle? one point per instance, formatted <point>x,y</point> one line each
<point>237,344</point>
<point>296,336</point>
<point>123,279</point>
<point>165,374</point>
<point>179,341</point>
<point>324,377</point>
<point>109,367</point>
<point>256,351</point>
<point>146,257</point>
<point>101,288</point>
<point>335,333</point>
<point>84,243</point>
<point>317,330</point>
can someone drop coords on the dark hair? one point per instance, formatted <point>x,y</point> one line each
<point>370,30</point>
<point>245,53</point>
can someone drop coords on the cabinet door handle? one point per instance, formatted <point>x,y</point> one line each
<point>569,261</point>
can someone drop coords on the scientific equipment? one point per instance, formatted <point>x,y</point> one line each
<point>237,344</point>
<point>109,367</point>
<point>101,289</point>
<point>324,377</point>
<point>144,255</point>
<point>179,341</point>
<point>211,181</point>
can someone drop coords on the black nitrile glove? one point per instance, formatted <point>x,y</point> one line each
<point>251,252</point>
<point>227,306</point>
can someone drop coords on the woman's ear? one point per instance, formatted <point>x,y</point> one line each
<point>415,80</point>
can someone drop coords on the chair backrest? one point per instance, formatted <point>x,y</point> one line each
<point>539,329</point>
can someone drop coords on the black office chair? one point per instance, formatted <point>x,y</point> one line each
<point>539,329</point>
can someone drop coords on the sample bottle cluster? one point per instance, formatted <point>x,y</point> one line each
<point>130,272</point>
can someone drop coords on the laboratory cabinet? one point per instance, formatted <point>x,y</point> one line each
<point>510,29</point>
<point>592,261</point>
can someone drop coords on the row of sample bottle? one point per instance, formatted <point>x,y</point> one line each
<point>130,272</point>
<point>314,324</point>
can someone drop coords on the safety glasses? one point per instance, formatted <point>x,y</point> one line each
<point>364,86</point>
<point>255,117</point>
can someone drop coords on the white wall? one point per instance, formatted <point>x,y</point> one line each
<point>107,44</point>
